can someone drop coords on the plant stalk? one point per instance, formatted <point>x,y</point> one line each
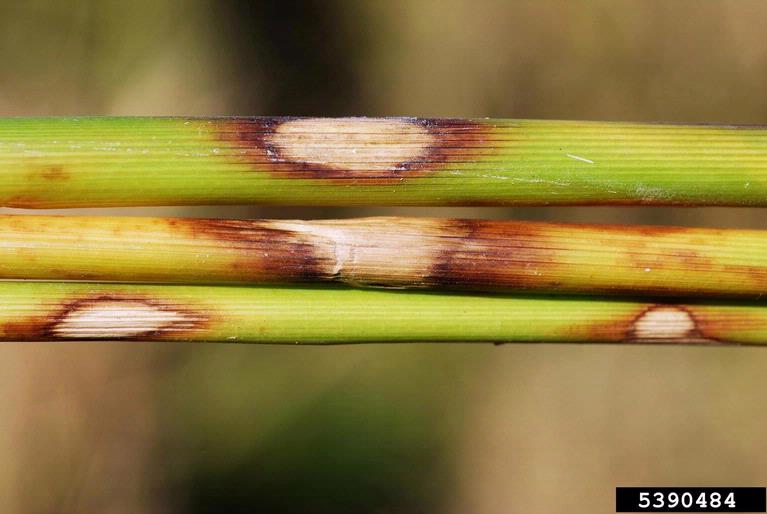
<point>70,311</point>
<point>390,252</point>
<point>91,162</point>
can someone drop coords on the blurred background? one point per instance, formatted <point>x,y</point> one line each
<point>145,428</point>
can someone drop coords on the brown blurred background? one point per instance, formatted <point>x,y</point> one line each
<point>143,428</point>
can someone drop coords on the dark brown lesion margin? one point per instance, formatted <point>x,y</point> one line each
<point>43,327</point>
<point>262,252</point>
<point>454,140</point>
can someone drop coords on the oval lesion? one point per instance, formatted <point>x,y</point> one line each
<point>377,150</point>
<point>122,318</point>
<point>667,324</point>
<point>356,145</point>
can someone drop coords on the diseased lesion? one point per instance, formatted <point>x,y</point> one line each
<point>666,324</point>
<point>356,145</point>
<point>494,256</point>
<point>661,323</point>
<point>266,251</point>
<point>382,252</point>
<point>110,317</point>
<point>376,150</point>
<point>121,319</point>
<point>53,172</point>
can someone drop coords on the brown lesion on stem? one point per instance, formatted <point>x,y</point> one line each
<point>38,172</point>
<point>489,255</point>
<point>373,151</point>
<point>437,253</point>
<point>480,255</point>
<point>263,250</point>
<point>110,317</point>
<point>383,252</point>
<point>669,323</point>
<point>53,173</point>
<point>543,257</point>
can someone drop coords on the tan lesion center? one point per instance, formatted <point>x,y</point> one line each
<point>352,144</point>
<point>116,319</point>
<point>666,324</point>
<point>368,252</point>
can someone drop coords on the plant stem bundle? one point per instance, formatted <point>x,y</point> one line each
<point>389,252</point>
<point>91,162</point>
<point>69,311</point>
<point>103,162</point>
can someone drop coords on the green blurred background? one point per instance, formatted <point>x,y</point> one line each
<point>145,428</point>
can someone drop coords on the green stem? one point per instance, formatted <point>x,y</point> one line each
<point>70,311</point>
<point>78,162</point>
